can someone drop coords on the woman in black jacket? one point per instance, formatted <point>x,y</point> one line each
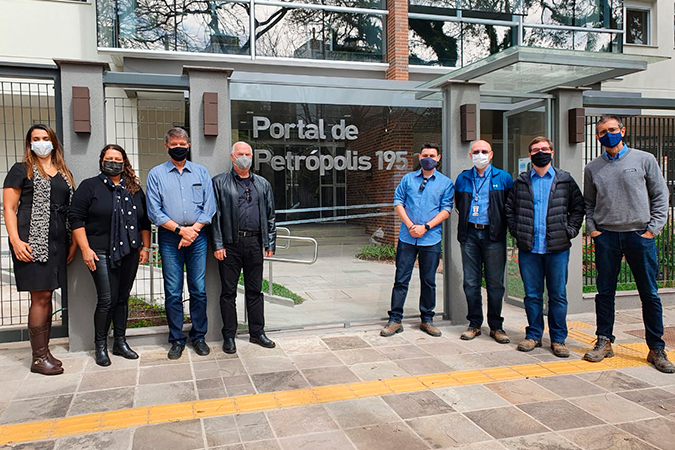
<point>111,227</point>
<point>544,212</point>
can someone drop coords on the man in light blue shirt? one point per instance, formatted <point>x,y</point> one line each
<point>181,203</point>
<point>423,200</point>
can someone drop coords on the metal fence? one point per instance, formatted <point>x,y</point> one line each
<point>138,121</point>
<point>23,103</point>
<point>655,135</point>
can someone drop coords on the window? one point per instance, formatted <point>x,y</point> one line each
<point>638,26</point>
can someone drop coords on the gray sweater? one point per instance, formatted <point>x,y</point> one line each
<point>628,194</point>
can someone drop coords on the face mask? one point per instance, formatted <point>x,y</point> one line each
<point>112,168</point>
<point>243,162</point>
<point>428,163</point>
<point>480,160</point>
<point>178,153</point>
<point>611,140</point>
<point>41,148</point>
<point>541,159</point>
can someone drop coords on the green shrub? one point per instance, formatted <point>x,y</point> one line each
<point>277,289</point>
<point>370,252</point>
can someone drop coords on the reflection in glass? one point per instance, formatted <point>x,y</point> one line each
<point>366,4</point>
<point>637,26</point>
<point>318,34</point>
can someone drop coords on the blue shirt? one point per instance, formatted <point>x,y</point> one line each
<point>541,189</point>
<point>422,206</point>
<point>618,155</point>
<point>185,198</point>
<point>478,213</point>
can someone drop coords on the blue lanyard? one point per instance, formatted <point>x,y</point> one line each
<point>476,197</point>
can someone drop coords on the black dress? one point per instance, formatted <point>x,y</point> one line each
<point>50,275</point>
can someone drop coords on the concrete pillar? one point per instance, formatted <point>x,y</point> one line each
<point>397,40</point>
<point>81,155</point>
<point>570,157</point>
<point>213,152</point>
<point>455,159</point>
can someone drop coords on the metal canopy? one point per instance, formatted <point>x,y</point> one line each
<point>529,70</point>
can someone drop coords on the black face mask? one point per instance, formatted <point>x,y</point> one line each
<point>112,168</point>
<point>178,153</point>
<point>541,159</point>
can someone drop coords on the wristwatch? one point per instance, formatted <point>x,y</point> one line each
<point>177,230</point>
<point>426,225</point>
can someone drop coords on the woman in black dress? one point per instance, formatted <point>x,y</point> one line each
<point>112,229</point>
<point>36,197</point>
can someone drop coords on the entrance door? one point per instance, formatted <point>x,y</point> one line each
<point>521,124</point>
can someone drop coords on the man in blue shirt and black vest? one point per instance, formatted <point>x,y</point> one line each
<point>544,212</point>
<point>480,195</point>
<point>423,200</point>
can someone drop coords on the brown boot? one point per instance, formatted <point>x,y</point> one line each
<point>560,350</point>
<point>660,360</point>
<point>39,342</point>
<point>50,357</point>
<point>430,329</point>
<point>391,329</point>
<point>527,345</point>
<point>470,333</point>
<point>500,336</point>
<point>602,350</point>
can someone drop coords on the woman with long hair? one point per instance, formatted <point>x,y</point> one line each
<point>112,229</point>
<point>36,195</point>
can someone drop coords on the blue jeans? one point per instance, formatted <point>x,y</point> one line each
<point>534,269</point>
<point>193,258</point>
<point>480,252</point>
<point>641,255</point>
<point>429,257</point>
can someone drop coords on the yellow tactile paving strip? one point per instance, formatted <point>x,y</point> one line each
<point>626,355</point>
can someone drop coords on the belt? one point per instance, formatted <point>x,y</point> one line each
<point>478,226</point>
<point>249,233</point>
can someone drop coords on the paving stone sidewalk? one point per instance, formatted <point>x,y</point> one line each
<point>627,408</point>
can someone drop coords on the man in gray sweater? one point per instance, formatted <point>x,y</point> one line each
<point>626,207</point>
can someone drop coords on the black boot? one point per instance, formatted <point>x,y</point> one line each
<point>101,325</point>
<point>121,348</point>
<point>102,358</point>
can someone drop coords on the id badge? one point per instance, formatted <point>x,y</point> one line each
<point>476,209</point>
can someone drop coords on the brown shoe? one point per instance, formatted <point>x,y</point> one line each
<point>560,350</point>
<point>470,333</point>
<point>602,350</point>
<point>39,342</point>
<point>660,360</point>
<point>500,336</point>
<point>430,329</point>
<point>391,329</point>
<point>527,345</point>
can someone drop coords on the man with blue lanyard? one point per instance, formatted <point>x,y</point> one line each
<point>181,203</point>
<point>423,200</point>
<point>626,207</point>
<point>480,195</point>
<point>544,212</point>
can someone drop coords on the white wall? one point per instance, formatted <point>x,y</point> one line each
<point>657,80</point>
<point>37,31</point>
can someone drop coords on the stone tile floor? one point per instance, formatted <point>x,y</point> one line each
<point>630,408</point>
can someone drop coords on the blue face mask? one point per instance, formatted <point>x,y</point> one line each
<point>428,163</point>
<point>611,140</point>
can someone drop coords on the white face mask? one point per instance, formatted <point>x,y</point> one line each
<point>41,148</point>
<point>480,160</point>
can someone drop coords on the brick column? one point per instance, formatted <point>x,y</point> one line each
<point>397,40</point>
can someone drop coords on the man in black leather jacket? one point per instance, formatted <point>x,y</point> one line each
<point>244,226</point>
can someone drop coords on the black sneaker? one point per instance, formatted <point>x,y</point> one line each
<point>201,348</point>
<point>176,350</point>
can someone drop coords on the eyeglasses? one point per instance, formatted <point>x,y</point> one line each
<point>541,149</point>
<point>612,130</point>
<point>478,152</point>
<point>424,184</point>
<point>247,193</point>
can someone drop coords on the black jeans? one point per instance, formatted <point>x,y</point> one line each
<point>247,254</point>
<point>113,287</point>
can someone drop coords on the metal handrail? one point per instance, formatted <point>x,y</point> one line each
<point>298,261</point>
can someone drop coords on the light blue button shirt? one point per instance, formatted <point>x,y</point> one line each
<point>541,189</point>
<point>618,155</point>
<point>423,205</point>
<point>185,198</point>
<point>481,190</point>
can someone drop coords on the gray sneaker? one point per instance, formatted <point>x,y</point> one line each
<point>602,350</point>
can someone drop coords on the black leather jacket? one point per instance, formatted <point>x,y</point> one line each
<point>224,227</point>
